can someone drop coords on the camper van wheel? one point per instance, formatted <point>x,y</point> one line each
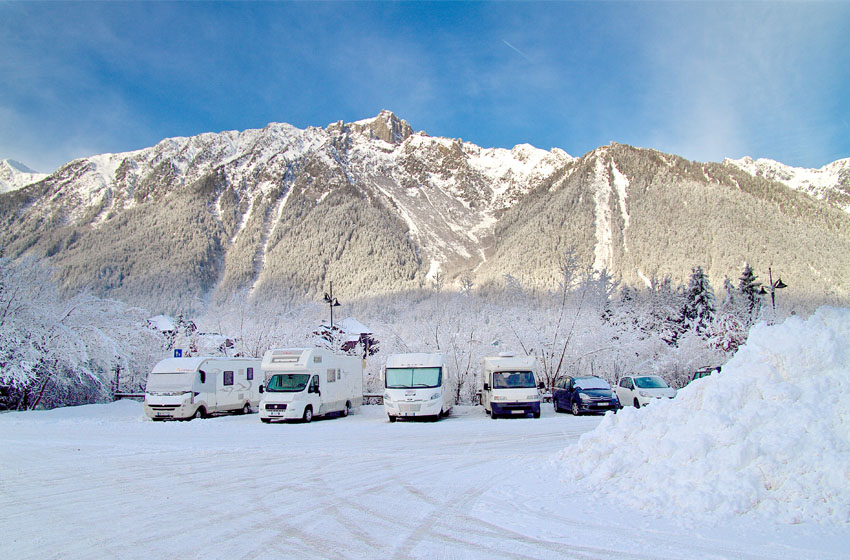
<point>392,418</point>
<point>200,413</point>
<point>308,414</point>
<point>246,409</point>
<point>347,409</point>
<point>266,420</point>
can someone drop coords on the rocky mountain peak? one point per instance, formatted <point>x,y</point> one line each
<point>385,126</point>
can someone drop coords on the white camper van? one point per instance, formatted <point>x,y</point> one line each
<point>510,386</point>
<point>416,387</point>
<point>301,383</point>
<point>181,388</point>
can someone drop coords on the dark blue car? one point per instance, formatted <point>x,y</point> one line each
<point>584,394</point>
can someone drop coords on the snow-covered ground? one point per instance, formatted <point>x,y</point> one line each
<point>103,481</point>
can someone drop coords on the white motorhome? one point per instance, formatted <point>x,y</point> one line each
<point>302,383</point>
<point>182,388</point>
<point>416,386</point>
<point>510,386</point>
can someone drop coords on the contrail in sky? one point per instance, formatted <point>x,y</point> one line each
<point>519,52</point>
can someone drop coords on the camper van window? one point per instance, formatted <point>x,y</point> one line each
<point>203,375</point>
<point>228,378</point>
<point>288,382</point>
<point>513,380</point>
<point>409,378</point>
<point>331,375</point>
<point>338,373</point>
<point>250,374</point>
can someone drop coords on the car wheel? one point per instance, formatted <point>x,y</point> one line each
<point>536,414</point>
<point>266,420</point>
<point>637,403</point>
<point>308,414</point>
<point>392,418</point>
<point>493,415</point>
<point>555,403</point>
<point>575,410</point>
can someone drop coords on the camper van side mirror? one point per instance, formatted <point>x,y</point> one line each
<point>261,388</point>
<point>486,386</point>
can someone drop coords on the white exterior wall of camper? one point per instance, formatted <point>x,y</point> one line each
<point>510,386</point>
<point>302,383</point>
<point>416,386</point>
<point>182,388</point>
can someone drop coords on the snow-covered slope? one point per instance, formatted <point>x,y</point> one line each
<point>831,182</point>
<point>378,208</point>
<point>769,435</point>
<point>15,175</point>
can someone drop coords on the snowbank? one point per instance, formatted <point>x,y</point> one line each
<point>769,435</point>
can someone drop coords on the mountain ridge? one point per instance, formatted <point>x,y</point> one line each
<point>378,208</point>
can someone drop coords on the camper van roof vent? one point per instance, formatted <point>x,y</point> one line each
<point>507,354</point>
<point>284,359</point>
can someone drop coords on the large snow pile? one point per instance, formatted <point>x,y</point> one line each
<point>769,435</point>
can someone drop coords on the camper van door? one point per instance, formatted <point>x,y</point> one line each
<point>314,395</point>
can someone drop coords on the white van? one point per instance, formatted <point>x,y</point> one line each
<point>417,386</point>
<point>301,383</point>
<point>510,386</point>
<point>181,388</point>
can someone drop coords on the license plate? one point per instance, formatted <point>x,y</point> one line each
<point>162,414</point>
<point>276,413</point>
<point>603,404</point>
<point>517,412</point>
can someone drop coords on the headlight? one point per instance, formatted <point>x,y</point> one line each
<point>644,394</point>
<point>500,398</point>
<point>387,397</point>
<point>436,396</point>
<point>533,397</point>
<point>584,396</point>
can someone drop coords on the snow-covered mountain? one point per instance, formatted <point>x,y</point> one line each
<point>378,208</point>
<point>14,175</point>
<point>830,183</point>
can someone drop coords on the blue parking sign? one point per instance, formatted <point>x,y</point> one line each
<point>178,353</point>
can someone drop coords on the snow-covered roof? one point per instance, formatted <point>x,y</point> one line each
<point>162,323</point>
<point>353,326</point>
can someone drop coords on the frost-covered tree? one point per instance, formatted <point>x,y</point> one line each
<point>699,308</point>
<point>751,289</point>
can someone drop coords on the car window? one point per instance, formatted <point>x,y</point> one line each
<point>650,382</point>
<point>591,383</point>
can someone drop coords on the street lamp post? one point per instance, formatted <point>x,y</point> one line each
<point>332,302</point>
<point>772,287</point>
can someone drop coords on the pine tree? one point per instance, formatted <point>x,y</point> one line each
<point>698,311</point>
<point>752,292</point>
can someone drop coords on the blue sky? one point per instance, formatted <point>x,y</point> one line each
<point>702,80</point>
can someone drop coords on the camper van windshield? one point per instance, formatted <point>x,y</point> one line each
<point>410,378</point>
<point>288,382</point>
<point>513,380</point>
<point>169,382</point>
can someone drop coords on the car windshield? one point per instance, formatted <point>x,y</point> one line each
<point>169,382</point>
<point>591,383</point>
<point>413,378</point>
<point>651,382</point>
<point>513,380</point>
<point>288,382</point>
